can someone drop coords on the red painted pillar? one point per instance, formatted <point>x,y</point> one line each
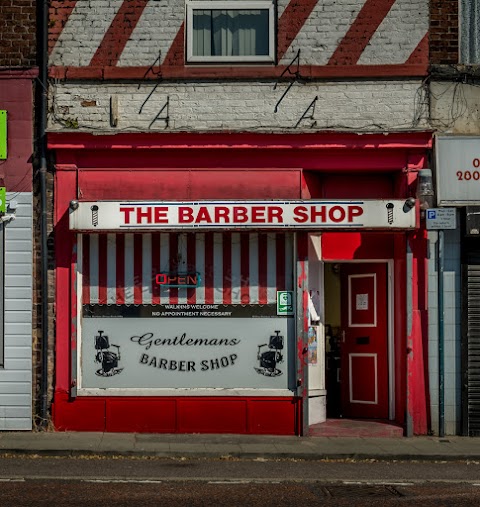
<point>65,191</point>
<point>417,335</point>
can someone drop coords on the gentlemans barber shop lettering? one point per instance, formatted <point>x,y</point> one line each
<point>147,340</point>
<point>182,365</point>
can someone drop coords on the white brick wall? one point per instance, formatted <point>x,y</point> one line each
<point>402,29</point>
<point>323,31</point>
<point>154,33</point>
<point>238,106</point>
<point>389,44</point>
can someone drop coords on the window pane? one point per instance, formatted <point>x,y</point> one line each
<point>230,32</point>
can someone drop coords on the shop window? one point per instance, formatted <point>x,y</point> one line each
<point>233,31</point>
<point>185,310</point>
<point>469,32</point>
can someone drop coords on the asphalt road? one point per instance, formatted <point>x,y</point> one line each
<point>92,481</point>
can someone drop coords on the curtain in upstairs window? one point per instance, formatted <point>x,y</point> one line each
<point>230,32</point>
<point>470,31</point>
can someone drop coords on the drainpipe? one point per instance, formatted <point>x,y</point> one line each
<point>42,45</point>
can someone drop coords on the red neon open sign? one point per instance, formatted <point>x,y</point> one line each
<point>178,279</point>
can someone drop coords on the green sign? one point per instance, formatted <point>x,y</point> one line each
<point>285,302</point>
<point>3,200</point>
<point>3,135</point>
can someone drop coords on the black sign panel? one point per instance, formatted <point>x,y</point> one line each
<point>180,311</point>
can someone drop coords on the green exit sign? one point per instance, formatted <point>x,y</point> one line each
<point>3,135</point>
<point>3,200</point>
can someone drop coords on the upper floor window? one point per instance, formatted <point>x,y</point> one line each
<point>234,31</point>
<point>470,32</point>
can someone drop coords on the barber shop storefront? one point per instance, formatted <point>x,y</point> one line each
<point>238,283</point>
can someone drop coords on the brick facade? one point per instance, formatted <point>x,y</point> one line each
<point>444,32</point>
<point>106,38</point>
<point>17,33</point>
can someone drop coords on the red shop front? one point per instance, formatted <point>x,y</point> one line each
<point>238,283</point>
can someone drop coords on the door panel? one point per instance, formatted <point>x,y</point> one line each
<point>364,347</point>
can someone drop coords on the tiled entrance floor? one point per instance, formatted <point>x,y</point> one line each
<point>356,428</point>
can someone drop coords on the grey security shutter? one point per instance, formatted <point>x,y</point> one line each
<point>471,349</point>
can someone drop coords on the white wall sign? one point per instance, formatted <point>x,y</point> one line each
<point>123,215</point>
<point>441,218</point>
<point>361,302</point>
<point>458,170</point>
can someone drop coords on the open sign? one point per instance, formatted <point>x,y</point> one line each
<point>178,279</point>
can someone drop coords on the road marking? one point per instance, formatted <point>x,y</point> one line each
<point>245,481</point>
<point>124,481</point>
<point>380,483</point>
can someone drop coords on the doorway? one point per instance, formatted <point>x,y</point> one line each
<point>358,340</point>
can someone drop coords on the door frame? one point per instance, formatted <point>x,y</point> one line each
<point>390,323</point>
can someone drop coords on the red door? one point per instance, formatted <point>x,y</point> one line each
<point>364,341</point>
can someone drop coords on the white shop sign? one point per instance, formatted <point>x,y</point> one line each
<point>458,170</point>
<point>311,214</point>
<point>129,353</point>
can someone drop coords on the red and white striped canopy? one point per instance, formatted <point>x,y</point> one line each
<point>234,267</point>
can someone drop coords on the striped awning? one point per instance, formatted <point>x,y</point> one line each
<point>234,268</point>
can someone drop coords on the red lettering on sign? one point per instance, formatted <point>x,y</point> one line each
<point>240,214</point>
<point>353,212</point>
<point>275,213</point>
<point>337,214</point>
<point>185,215</point>
<point>321,213</point>
<point>258,214</point>
<point>222,213</point>
<point>300,214</point>
<point>147,214</point>
<point>160,215</point>
<point>126,214</point>
<point>203,216</point>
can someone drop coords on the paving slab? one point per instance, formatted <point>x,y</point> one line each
<point>226,449</point>
<point>112,442</point>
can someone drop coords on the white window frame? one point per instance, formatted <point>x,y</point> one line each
<point>192,5</point>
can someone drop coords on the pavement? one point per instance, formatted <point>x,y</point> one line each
<point>239,446</point>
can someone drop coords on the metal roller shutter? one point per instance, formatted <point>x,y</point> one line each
<point>472,351</point>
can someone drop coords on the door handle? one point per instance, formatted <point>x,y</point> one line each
<point>343,336</point>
